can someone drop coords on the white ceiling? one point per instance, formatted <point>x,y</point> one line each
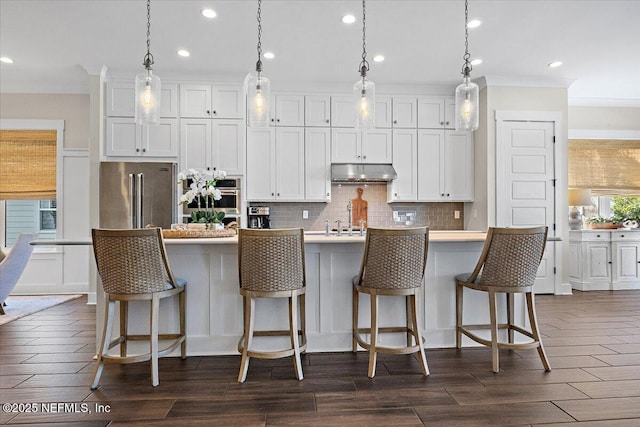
<point>54,43</point>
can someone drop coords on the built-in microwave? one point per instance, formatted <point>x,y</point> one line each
<point>229,203</point>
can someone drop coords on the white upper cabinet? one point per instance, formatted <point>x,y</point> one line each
<point>317,164</point>
<point>212,144</point>
<point>405,113</point>
<point>124,138</point>
<point>120,98</point>
<point>405,162</point>
<point>353,146</point>
<point>384,117</point>
<point>211,101</point>
<point>377,146</point>
<point>287,110</point>
<point>436,112</point>
<point>317,111</point>
<point>342,112</point>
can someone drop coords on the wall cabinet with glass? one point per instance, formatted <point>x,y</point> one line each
<point>354,146</point>
<point>124,138</point>
<point>275,164</point>
<point>436,112</point>
<point>218,101</point>
<point>212,144</point>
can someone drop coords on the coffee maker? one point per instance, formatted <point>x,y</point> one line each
<point>258,217</point>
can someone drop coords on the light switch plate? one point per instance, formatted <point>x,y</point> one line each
<point>305,214</point>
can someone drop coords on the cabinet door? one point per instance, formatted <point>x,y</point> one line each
<point>384,118</point>
<point>626,262</point>
<point>343,112</point>
<point>450,112</point>
<point>431,112</point>
<point>123,137</point>
<point>228,146</point>
<point>317,164</point>
<point>228,102</point>
<point>289,110</point>
<point>405,162</point>
<point>261,173</point>
<point>195,101</point>
<point>458,166</point>
<point>430,165</point>
<point>598,262</point>
<point>405,114</point>
<point>345,145</point>
<point>195,143</point>
<point>120,99</point>
<point>289,169</point>
<point>377,146</point>
<point>317,111</point>
<point>161,140</point>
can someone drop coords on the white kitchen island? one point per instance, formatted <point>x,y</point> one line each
<point>214,306</point>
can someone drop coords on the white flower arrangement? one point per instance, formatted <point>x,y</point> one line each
<point>203,187</point>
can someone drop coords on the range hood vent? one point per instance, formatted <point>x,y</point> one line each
<point>362,172</point>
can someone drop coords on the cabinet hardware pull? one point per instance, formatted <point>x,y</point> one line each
<point>327,120</point>
<point>278,120</point>
<point>272,120</point>
<point>137,150</point>
<point>610,262</point>
<point>441,123</point>
<point>272,194</point>
<point>328,194</point>
<point>278,194</point>
<point>365,157</point>
<point>395,194</point>
<point>214,113</point>
<point>144,150</point>
<point>448,194</point>
<point>395,122</point>
<point>622,235</point>
<point>442,194</point>
<point>447,123</point>
<point>208,111</point>
<point>597,235</point>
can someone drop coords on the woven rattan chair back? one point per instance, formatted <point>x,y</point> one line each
<point>271,260</point>
<point>513,256</point>
<point>394,258</point>
<point>132,261</point>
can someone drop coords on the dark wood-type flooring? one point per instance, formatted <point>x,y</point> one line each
<point>592,339</point>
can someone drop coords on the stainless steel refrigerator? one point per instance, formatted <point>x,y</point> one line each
<point>134,195</point>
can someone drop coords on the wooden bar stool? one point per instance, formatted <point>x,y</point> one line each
<point>133,266</point>
<point>508,264</point>
<point>271,264</point>
<point>393,264</point>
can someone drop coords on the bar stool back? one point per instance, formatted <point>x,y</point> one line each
<point>393,263</point>
<point>133,266</point>
<point>508,264</point>
<point>271,264</point>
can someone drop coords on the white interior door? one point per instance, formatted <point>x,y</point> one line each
<point>525,191</point>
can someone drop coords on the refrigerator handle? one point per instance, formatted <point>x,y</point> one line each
<point>139,199</point>
<point>132,201</point>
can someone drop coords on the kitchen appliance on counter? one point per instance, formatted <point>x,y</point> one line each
<point>134,195</point>
<point>229,203</point>
<point>258,217</point>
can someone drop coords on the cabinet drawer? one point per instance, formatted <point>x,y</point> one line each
<point>596,236</point>
<point>625,236</point>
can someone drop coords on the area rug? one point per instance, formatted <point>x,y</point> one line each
<point>22,305</point>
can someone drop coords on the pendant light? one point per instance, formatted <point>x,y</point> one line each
<point>467,92</point>
<point>147,86</point>
<point>364,90</point>
<point>257,87</point>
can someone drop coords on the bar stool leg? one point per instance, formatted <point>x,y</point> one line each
<point>124,322</point>
<point>418,334</point>
<point>374,335</point>
<point>107,330</point>
<point>408,309</point>
<point>531,309</point>
<point>459,295</point>
<point>303,321</point>
<point>182,296</point>
<point>155,313</point>
<point>249,308</point>
<point>493,314</point>
<point>293,332</point>
<point>354,314</point>
<point>510,306</point>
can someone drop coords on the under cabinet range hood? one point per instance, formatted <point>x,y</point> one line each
<point>362,172</point>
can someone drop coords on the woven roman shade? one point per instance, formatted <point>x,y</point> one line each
<point>27,164</point>
<point>608,167</point>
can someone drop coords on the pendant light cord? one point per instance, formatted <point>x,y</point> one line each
<point>364,64</point>
<point>148,58</point>
<point>467,67</point>
<point>259,63</point>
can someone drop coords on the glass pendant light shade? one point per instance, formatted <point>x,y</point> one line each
<point>147,98</point>
<point>467,105</point>
<point>364,94</point>
<point>258,89</point>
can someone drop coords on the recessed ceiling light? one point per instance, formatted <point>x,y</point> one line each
<point>269,55</point>
<point>378,58</point>
<point>474,23</point>
<point>209,13</point>
<point>555,64</point>
<point>476,62</point>
<point>6,60</point>
<point>183,52</point>
<point>348,19</point>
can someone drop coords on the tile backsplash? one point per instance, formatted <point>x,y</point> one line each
<point>438,216</point>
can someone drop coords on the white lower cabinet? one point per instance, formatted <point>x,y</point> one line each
<point>317,165</point>
<point>604,260</point>
<point>216,144</point>
<point>275,164</point>
<point>124,138</point>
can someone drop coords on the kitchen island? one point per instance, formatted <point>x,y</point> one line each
<point>214,305</point>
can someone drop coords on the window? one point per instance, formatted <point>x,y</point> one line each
<point>48,216</point>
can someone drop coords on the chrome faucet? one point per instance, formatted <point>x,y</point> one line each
<point>350,211</point>
<point>361,227</point>
<point>339,227</point>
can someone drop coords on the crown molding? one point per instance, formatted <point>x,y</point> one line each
<point>527,81</point>
<point>603,102</point>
